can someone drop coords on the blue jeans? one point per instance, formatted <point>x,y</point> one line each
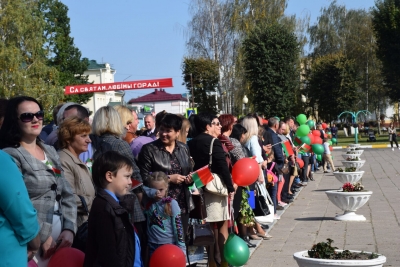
<point>272,191</point>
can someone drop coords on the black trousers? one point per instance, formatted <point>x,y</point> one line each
<point>304,173</point>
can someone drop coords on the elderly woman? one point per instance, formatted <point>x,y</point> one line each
<point>40,165</point>
<point>73,139</point>
<point>209,128</point>
<point>168,155</point>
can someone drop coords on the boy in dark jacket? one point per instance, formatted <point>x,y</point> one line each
<point>112,240</point>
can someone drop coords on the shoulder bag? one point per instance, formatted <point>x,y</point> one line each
<point>82,232</point>
<point>264,206</point>
<point>285,169</point>
<point>216,186</point>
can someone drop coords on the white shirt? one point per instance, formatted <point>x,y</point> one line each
<point>326,148</point>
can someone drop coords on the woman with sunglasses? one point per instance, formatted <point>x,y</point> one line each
<point>49,191</point>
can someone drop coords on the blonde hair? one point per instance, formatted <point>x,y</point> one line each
<point>106,120</point>
<point>182,134</point>
<point>125,114</point>
<point>251,126</point>
<point>158,177</point>
<point>71,127</point>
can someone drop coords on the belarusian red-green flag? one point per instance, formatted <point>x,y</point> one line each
<point>297,141</point>
<point>202,176</point>
<point>287,148</point>
<point>304,147</point>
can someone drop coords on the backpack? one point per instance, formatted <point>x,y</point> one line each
<point>271,176</point>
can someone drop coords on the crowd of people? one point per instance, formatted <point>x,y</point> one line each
<point>133,188</point>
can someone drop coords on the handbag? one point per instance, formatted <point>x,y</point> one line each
<point>271,175</point>
<point>265,213</point>
<point>285,169</point>
<point>216,186</point>
<point>82,232</point>
<point>200,234</point>
<point>199,210</point>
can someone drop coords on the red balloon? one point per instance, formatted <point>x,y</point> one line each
<point>325,135</point>
<point>331,148</point>
<point>311,136</point>
<point>300,162</point>
<point>324,125</point>
<point>316,133</point>
<point>317,140</point>
<point>245,172</point>
<point>168,256</point>
<point>67,257</point>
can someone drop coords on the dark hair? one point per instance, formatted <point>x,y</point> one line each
<point>287,119</point>
<point>226,120</point>
<point>192,131</point>
<point>171,121</point>
<point>202,120</point>
<point>237,131</point>
<point>3,106</point>
<point>10,133</point>
<point>159,116</point>
<point>83,113</point>
<point>110,161</point>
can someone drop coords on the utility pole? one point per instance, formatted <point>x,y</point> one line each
<point>191,82</point>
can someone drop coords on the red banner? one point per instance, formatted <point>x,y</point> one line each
<point>103,87</point>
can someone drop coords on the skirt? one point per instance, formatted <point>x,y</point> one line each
<point>216,207</point>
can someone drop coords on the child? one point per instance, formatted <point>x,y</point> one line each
<point>273,188</point>
<point>112,240</point>
<point>164,225</point>
<point>327,156</point>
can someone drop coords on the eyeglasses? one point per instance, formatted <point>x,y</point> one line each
<point>216,123</point>
<point>28,117</point>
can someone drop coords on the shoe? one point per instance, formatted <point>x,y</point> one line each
<point>311,177</point>
<point>254,237</point>
<point>288,200</point>
<point>264,226</point>
<point>325,171</point>
<point>266,236</point>
<point>247,240</point>
<point>304,183</point>
<point>277,217</point>
<point>283,204</point>
<point>279,207</point>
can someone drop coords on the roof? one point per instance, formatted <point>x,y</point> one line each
<point>158,95</point>
<point>93,65</point>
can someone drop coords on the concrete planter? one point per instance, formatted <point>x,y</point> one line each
<point>352,156</point>
<point>348,177</point>
<point>355,164</point>
<point>359,152</point>
<point>303,260</point>
<point>349,202</point>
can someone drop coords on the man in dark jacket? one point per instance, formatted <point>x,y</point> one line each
<point>273,126</point>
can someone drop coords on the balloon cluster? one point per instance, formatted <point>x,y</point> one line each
<point>310,137</point>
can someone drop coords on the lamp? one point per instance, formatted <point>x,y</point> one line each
<point>245,101</point>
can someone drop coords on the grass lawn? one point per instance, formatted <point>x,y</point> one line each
<point>383,139</point>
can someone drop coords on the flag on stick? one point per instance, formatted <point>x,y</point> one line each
<point>305,148</point>
<point>287,148</point>
<point>297,141</point>
<point>202,176</point>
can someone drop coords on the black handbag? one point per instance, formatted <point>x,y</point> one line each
<point>199,210</point>
<point>200,234</point>
<point>82,232</point>
<point>261,206</point>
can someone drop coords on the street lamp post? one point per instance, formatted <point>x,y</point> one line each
<point>245,101</point>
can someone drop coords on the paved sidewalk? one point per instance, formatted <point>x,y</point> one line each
<point>309,219</point>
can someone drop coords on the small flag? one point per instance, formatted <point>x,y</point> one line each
<point>305,148</point>
<point>57,172</point>
<point>297,141</point>
<point>202,176</point>
<point>287,148</point>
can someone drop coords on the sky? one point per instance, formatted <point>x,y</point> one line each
<point>147,39</point>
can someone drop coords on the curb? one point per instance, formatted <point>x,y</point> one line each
<point>366,146</point>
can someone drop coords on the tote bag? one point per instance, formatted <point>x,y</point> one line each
<point>264,196</point>
<point>216,186</point>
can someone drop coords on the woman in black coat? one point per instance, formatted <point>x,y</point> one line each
<point>209,127</point>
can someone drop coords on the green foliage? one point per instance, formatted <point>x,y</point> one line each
<point>270,57</point>
<point>386,24</point>
<point>332,85</point>
<point>63,55</point>
<point>204,74</point>
<point>23,61</point>
<point>246,212</point>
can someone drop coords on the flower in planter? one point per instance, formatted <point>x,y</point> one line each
<point>351,187</point>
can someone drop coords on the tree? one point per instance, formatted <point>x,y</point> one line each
<point>386,24</point>
<point>63,55</point>
<point>270,57</point>
<point>23,62</point>
<point>332,85</point>
<point>204,75</point>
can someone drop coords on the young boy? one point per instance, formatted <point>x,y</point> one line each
<point>112,240</point>
<point>327,156</point>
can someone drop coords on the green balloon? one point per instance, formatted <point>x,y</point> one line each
<point>305,139</point>
<point>319,157</point>
<point>301,119</point>
<point>310,124</point>
<point>303,130</point>
<point>318,149</point>
<point>330,142</point>
<point>236,251</point>
<point>334,140</point>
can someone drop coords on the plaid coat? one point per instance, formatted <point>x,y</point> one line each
<point>43,187</point>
